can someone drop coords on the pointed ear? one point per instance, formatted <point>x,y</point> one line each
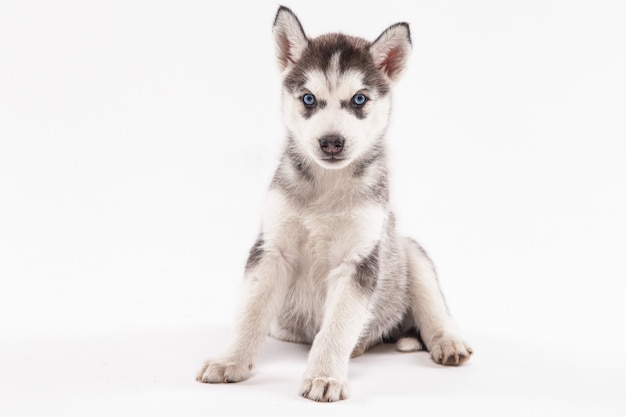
<point>392,49</point>
<point>289,37</point>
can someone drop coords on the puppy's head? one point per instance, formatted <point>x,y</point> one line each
<point>336,88</point>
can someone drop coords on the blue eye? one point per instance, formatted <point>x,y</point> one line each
<point>308,99</point>
<point>359,99</point>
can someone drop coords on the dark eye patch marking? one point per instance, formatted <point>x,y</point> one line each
<point>358,111</point>
<point>309,111</point>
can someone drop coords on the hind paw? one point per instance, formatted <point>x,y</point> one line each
<point>450,351</point>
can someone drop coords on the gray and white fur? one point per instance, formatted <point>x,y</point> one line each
<point>328,267</point>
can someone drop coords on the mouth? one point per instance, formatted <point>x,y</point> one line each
<point>332,159</point>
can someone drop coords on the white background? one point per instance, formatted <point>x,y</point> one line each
<point>137,139</point>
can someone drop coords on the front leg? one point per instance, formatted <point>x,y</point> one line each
<point>347,313</point>
<point>267,278</point>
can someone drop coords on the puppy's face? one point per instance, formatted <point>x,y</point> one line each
<point>336,89</point>
<point>334,109</point>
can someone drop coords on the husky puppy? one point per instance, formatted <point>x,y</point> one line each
<point>328,267</point>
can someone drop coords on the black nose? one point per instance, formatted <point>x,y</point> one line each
<point>331,145</point>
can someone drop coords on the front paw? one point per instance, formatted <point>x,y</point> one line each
<point>325,389</point>
<point>223,371</point>
<point>450,351</point>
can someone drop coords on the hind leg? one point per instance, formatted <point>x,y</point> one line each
<point>430,312</point>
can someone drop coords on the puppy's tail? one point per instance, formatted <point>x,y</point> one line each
<point>409,344</point>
